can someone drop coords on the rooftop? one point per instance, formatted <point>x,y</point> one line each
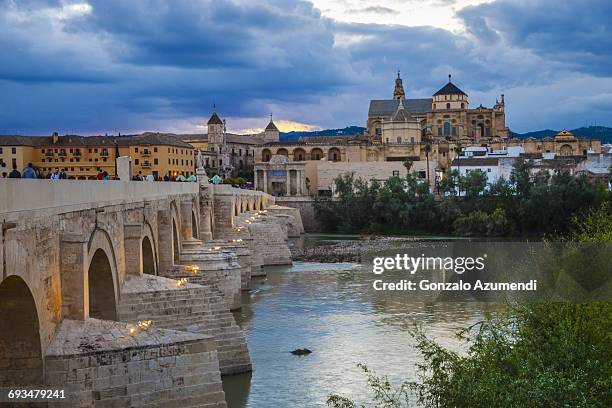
<point>147,138</point>
<point>387,107</point>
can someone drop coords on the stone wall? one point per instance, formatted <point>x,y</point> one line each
<point>189,307</point>
<point>110,364</point>
<point>305,205</point>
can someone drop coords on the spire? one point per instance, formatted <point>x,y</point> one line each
<point>398,92</point>
<point>401,114</point>
<point>449,78</point>
<point>271,125</point>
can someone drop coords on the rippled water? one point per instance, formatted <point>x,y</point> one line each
<point>332,310</point>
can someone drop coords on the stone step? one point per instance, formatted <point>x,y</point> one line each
<point>196,309</point>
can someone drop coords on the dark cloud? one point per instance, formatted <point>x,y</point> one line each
<point>578,33</point>
<point>145,64</point>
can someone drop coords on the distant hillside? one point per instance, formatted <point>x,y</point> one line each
<point>596,132</point>
<point>349,130</point>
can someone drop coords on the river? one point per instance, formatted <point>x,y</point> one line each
<point>332,310</point>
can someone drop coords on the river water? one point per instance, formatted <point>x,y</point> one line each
<point>332,310</point>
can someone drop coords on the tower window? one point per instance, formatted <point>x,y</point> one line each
<point>448,106</point>
<point>462,105</point>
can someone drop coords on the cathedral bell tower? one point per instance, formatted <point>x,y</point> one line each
<point>398,92</point>
<point>215,130</point>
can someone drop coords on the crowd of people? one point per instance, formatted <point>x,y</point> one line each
<point>30,172</point>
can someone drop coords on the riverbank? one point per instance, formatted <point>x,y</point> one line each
<point>351,250</point>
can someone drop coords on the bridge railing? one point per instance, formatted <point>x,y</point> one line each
<point>17,195</point>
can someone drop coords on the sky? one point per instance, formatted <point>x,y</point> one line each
<point>109,66</point>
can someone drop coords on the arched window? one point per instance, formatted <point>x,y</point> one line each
<point>462,105</point>
<point>334,154</point>
<point>566,150</point>
<point>299,155</point>
<point>399,139</point>
<point>266,155</point>
<point>316,154</point>
<point>282,152</point>
<point>447,129</point>
<point>448,106</point>
<point>434,106</point>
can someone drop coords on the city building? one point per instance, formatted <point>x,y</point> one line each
<point>427,133</point>
<point>240,148</point>
<point>82,157</point>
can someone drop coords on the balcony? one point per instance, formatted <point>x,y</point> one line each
<point>146,152</point>
<point>104,153</point>
<point>146,165</point>
<point>49,153</point>
<point>62,153</point>
<point>77,153</point>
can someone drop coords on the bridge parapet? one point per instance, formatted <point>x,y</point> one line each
<point>61,196</point>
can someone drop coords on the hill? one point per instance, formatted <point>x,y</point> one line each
<point>597,132</point>
<point>349,130</point>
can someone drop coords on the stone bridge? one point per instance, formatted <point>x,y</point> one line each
<point>121,292</point>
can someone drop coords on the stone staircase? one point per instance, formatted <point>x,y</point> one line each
<point>190,307</point>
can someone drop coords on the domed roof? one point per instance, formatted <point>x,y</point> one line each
<point>565,134</point>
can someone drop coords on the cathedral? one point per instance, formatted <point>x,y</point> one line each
<point>421,134</point>
<point>444,116</point>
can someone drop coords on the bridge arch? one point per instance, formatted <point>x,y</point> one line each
<point>148,251</point>
<point>195,231</point>
<point>102,277</point>
<point>148,259</point>
<point>176,240</point>
<point>21,362</point>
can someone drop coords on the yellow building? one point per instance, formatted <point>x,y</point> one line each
<point>83,157</point>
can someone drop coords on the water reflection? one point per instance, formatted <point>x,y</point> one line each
<point>332,310</point>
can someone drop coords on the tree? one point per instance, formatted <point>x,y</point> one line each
<point>473,183</point>
<point>450,181</point>
<point>408,165</point>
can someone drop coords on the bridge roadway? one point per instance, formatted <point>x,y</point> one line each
<point>121,291</point>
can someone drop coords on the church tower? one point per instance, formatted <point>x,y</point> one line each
<point>271,134</point>
<point>215,130</point>
<point>398,92</point>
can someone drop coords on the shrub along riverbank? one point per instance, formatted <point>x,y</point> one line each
<point>525,205</point>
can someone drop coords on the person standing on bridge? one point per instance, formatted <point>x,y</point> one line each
<point>29,172</point>
<point>15,173</point>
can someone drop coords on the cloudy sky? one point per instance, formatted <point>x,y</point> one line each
<point>96,66</point>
